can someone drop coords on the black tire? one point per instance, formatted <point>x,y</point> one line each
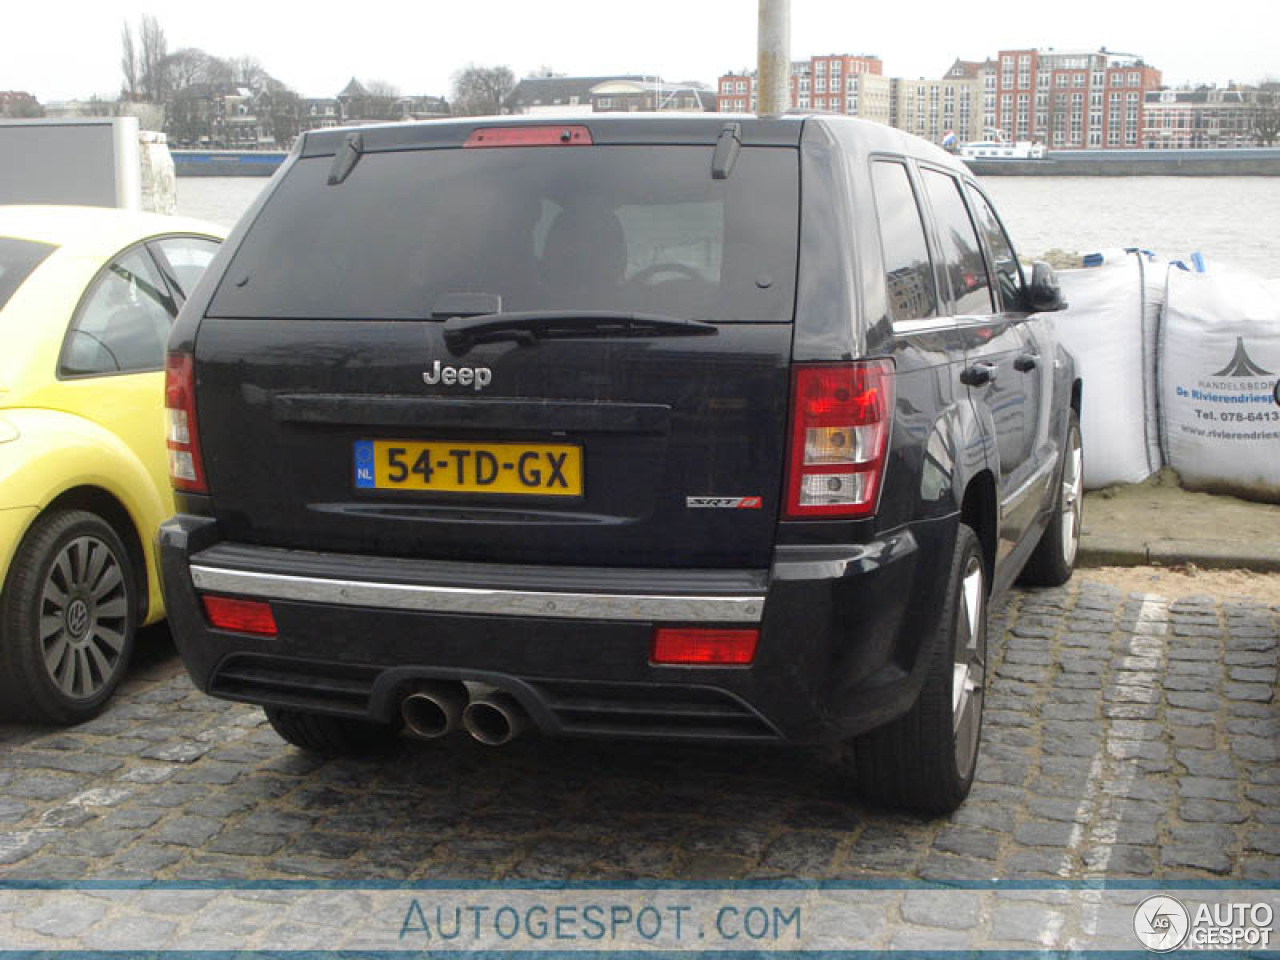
<point>923,762</point>
<point>1054,559</point>
<point>68,618</point>
<point>332,736</point>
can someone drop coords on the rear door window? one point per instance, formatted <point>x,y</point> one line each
<point>961,252</point>
<point>18,258</point>
<point>1009,281</point>
<point>908,270</point>
<point>640,229</point>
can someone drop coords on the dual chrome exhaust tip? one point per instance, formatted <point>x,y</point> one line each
<point>437,708</point>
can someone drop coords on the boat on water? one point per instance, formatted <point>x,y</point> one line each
<point>1002,150</point>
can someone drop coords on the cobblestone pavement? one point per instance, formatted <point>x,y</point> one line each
<point>1126,737</point>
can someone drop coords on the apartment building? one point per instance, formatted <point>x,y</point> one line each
<point>833,82</point>
<point>1072,99</point>
<point>937,109</point>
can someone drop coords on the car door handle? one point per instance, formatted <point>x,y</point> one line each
<point>979,374</point>
<point>1026,362</point>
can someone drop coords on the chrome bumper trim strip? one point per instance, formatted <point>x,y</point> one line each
<point>518,603</point>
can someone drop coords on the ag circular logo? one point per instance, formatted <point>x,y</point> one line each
<point>1161,923</point>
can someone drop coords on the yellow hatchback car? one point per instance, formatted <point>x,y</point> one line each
<point>87,296</point>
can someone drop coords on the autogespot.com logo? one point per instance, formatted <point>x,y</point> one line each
<point>1161,923</point>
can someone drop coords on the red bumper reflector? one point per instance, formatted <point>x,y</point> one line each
<point>557,136</point>
<point>707,647</point>
<point>242,616</point>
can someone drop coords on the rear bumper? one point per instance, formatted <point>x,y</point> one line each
<point>841,633</point>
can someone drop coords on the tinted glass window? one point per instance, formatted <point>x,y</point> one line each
<point>1008,271</point>
<point>634,229</point>
<point>123,324</point>
<point>17,259</point>
<point>908,270</point>
<point>186,258</point>
<point>962,256</point>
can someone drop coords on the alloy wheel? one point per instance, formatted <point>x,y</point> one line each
<point>970,670</point>
<point>84,609</point>
<point>1072,507</point>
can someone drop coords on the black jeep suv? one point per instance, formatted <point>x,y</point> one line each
<point>693,427</point>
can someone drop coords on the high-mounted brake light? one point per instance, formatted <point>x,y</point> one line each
<point>572,136</point>
<point>242,616</point>
<point>186,468</point>
<point>702,646</point>
<point>841,416</point>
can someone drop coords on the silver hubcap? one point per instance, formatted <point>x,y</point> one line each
<point>1072,498</point>
<point>83,617</point>
<point>970,670</point>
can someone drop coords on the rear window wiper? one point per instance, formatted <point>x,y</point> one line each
<point>462,333</point>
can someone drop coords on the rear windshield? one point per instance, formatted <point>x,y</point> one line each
<point>17,259</point>
<point>634,229</point>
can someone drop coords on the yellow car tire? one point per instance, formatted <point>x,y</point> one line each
<point>68,616</point>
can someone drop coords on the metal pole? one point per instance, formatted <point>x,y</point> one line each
<point>773,73</point>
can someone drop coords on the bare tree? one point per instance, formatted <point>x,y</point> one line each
<point>1265,113</point>
<point>478,91</point>
<point>129,62</point>
<point>189,66</point>
<point>155,50</point>
<point>247,72</point>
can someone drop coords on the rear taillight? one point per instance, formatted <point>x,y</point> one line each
<point>704,647</point>
<point>186,469</point>
<point>241,616</point>
<point>841,415</point>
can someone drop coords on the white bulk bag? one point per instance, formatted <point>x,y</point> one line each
<point>1219,365</point>
<point>1103,330</point>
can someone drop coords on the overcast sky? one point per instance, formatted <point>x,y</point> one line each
<point>63,49</point>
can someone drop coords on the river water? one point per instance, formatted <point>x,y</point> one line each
<point>1230,220</point>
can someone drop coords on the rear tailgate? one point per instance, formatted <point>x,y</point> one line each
<point>534,354</point>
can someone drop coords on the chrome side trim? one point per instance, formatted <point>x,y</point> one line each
<point>520,603</point>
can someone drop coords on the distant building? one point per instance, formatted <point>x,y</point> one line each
<point>625,93</point>
<point>939,110</point>
<point>557,94</point>
<point>19,103</point>
<point>1083,99</point>
<point>1206,118</point>
<point>1063,99</point>
<point>829,82</point>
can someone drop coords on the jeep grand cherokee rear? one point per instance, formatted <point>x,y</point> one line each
<point>506,426</point>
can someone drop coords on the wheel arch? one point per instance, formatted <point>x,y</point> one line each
<point>102,503</point>
<point>62,461</point>
<point>979,512</point>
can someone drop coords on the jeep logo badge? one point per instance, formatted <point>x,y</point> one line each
<point>476,377</point>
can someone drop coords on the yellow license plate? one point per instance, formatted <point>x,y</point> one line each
<point>529,469</point>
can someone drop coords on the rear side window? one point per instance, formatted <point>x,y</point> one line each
<point>17,259</point>
<point>640,229</point>
<point>185,259</point>
<point>961,252</point>
<point>908,271</point>
<point>1008,271</point>
<point>123,323</point>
